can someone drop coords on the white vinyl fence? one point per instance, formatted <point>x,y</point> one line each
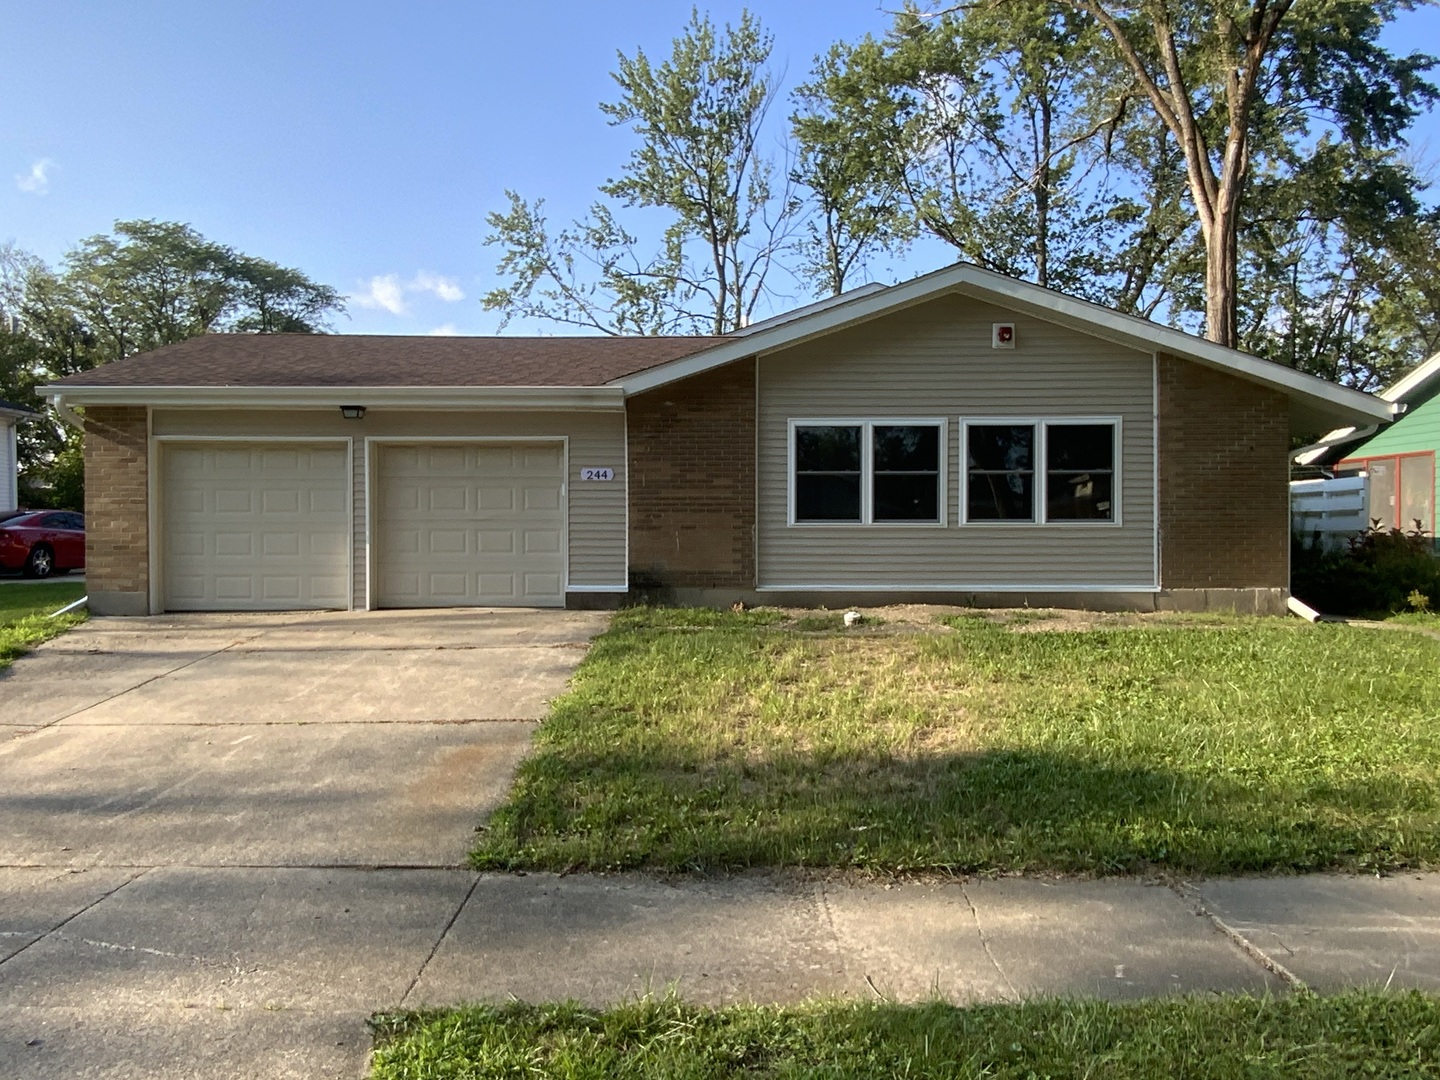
<point>1328,512</point>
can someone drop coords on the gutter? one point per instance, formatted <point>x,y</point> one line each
<point>558,398</point>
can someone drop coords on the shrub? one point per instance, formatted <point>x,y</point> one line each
<point>1382,571</point>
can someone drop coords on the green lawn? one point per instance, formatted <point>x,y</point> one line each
<point>1303,1036</point>
<point>25,611</point>
<point>703,740</point>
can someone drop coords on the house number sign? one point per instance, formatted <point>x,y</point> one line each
<point>597,474</point>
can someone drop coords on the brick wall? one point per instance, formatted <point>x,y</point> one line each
<point>692,481</point>
<point>117,544</point>
<point>1224,481</point>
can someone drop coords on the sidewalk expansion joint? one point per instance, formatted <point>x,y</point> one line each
<point>137,686</point>
<point>55,930</point>
<point>439,941</point>
<point>1238,939</point>
<point>985,943</point>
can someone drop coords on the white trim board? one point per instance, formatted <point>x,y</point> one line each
<point>450,398</point>
<point>973,281</point>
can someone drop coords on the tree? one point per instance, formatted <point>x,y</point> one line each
<point>699,117</point>
<point>982,121</point>
<point>854,195</point>
<point>145,285</point>
<point>1240,85</point>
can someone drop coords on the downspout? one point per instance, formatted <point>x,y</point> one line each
<point>69,415</point>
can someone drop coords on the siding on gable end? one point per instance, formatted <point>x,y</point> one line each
<point>936,361</point>
<point>1224,480</point>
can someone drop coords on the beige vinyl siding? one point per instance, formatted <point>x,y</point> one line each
<point>935,361</point>
<point>597,509</point>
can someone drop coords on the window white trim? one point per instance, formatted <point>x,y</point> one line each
<point>867,470</point>
<point>1040,466</point>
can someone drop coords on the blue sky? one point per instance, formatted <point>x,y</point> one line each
<point>361,142</point>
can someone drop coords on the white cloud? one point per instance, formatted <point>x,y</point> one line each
<point>387,292</point>
<point>37,180</point>
<point>446,289</point>
<point>448,330</point>
<point>383,292</point>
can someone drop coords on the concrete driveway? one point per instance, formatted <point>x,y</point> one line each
<point>225,839</point>
<point>286,740</point>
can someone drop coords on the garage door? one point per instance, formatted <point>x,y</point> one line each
<point>256,526</point>
<point>478,524</point>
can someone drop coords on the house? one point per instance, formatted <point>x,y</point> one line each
<point>1397,461</point>
<point>10,417</point>
<point>959,437</point>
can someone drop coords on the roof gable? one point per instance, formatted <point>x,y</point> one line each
<point>1316,400</point>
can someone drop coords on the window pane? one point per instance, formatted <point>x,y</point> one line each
<point>907,497</point>
<point>1001,446</point>
<point>1079,496</point>
<point>827,497</point>
<point>1000,497</point>
<point>827,449</point>
<point>907,449</point>
<point>1078,447</point>
<point>1382,506</point>
<point>1417,493</point>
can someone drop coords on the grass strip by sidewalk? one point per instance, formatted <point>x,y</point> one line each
<point>706,741</point>
<point>25,616</point>
<point>1302,1036</point>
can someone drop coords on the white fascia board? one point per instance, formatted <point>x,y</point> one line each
<point>11,415</point>
<point>1415,381</point>
<point>972,281</point>
<point>588,398</point>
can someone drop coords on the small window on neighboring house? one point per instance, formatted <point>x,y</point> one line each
<point>827,472</point>
<point>1079,472</point>
<point>906,472</point>
<point>1000,472</point>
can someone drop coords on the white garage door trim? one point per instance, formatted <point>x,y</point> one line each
<point>156,495</point>
<point>372,446</point>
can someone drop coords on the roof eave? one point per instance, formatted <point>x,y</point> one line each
<point>601,398</point>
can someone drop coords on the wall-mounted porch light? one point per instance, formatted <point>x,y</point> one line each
<point>353,412</point>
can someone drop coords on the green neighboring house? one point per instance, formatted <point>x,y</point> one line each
<point>1398,459</point>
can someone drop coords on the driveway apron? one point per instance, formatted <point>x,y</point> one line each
<point>226,839</point>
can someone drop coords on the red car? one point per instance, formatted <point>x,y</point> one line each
<point>42,542</point>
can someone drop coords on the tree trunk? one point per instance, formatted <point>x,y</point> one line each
<point>1221,281</point>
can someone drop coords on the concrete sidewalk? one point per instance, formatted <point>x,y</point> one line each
<point>241,972</point>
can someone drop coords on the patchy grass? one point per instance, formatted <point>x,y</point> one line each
<point>24,616</point>
<point>716,741</point>
<point>1427,619</point>
<point>1303,1036</point>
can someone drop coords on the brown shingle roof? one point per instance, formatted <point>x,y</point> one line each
<point>372,360</point>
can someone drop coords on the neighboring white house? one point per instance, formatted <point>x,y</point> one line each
<point>10,415</point>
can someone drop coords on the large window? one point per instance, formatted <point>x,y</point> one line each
<point>827,472</point>
<point>1401,490</point>
<point>1000,472</point>
<point>1079,472</point>
<point>1040,471</point>
<point>868,472</point>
